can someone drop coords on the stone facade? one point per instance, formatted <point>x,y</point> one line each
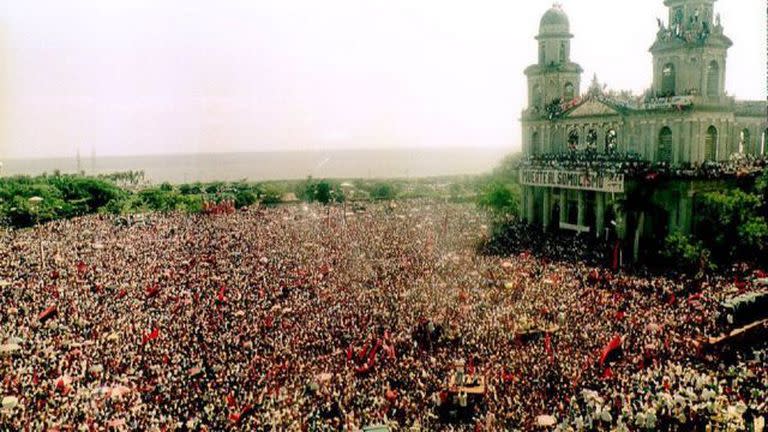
<point>684,119</point>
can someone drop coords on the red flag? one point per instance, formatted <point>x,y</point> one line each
<point>607,373</point>
<point>220,295</point>
<point>152,290</point>
<point>48,313</point>
<point>613,345</point>
<point>151,336</point>
<point>350,353</point>
<point>615,264</point>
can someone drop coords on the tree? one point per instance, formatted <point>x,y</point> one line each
<point>383,192</point>
<point>500,199</point>
<point>683,252</point>
<point>271,196</point>
<point>245,198</point>
<point>323,192</point>
<point>731,225</point>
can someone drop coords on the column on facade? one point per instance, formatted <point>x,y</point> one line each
<point>599,214</point>
<point>523,203</point>
<point>581,215</point>
<point>530,216</point>
<point>563,206</point>
<point>546,209</point>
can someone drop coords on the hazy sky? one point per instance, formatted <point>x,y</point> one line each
<point>166,76</point>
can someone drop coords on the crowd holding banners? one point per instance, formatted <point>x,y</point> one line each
<point>296,318</point>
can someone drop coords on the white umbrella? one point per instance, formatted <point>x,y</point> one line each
<point>545,420</point>
<point>10,402</point>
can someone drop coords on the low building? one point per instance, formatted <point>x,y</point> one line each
<point>602,159</point>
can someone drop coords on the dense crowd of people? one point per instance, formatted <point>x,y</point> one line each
<point>307,318</point>
<point>633,165</point>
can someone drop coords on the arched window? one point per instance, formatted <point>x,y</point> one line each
<point>573,139</point>
<point>664,149</point>
<point>765,142</point>
<point>536,98</point>
<point>713,79</point>
<point>710,144</point>
<point>745,144</point>
<point>541,52</point>
<point>668,80</point>
<point>611,140</point>
<point>592,139</point>
<point>568,92</point>
<point>536,143</point>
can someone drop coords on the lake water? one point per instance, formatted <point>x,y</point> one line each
<point>285,165</point>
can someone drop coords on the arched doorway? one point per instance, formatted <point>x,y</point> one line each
<point>713,79</point>
<point>745,142</point>
<point>592,140</point>
<point>611,139</point>
<point>710,144</point>
<point>536,143</point>
<point>668,79</point>
<point>573,139</point>
<point>664,147</point>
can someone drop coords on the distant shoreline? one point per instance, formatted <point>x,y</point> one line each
<point>276,165</point>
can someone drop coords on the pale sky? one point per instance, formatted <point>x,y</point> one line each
<point>118,77</point>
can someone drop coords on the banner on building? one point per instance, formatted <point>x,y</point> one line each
<point>580,180</point>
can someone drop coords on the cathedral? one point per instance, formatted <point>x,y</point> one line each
<point>588,153</point>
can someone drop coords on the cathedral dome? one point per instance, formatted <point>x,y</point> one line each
<point>554,22</point>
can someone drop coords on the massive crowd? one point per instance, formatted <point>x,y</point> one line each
<point>305,318</point>
<point>632,165</point>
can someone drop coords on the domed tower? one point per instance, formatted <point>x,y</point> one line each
<point>689,53</point>
<point>554,76</point>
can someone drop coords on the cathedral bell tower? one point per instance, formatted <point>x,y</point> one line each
<point>689,53</point>
<point>554,76</point>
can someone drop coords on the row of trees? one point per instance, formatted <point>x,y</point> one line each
<point>26,200</point>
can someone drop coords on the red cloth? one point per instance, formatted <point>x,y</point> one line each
<point>151,336</point>
<point>48,313</point>
<point>607,373</point>
<point>350,353</point>
<point>615,263</point>
<point>671,299</point>
<point>152,290</point>
<point>614,344</point>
